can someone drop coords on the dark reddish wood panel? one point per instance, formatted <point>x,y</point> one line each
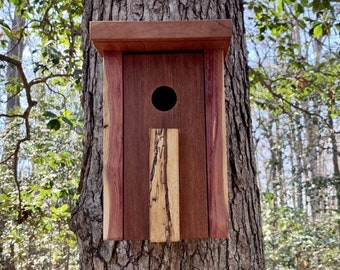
<point>216,144</point>
<point>143,73</point>
<point>113,147</point>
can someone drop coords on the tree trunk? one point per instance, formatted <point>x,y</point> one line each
<point>15,49</point>
<point>244,248</point>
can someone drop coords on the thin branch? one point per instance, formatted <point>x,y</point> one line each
<point>31,103</point>
<point>13,96</point>
<point>12,115</point>
<point>58,93</point>
<point>268,86</point>
<point>45,79</point>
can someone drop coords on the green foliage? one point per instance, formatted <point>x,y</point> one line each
<point>293,241</point>
<point>40,140</point>
<point>48,193</point>
<point>294,78</point>
<point>277,21</point>
<point>56,121</point>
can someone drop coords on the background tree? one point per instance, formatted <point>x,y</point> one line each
<point>39,143</point>
<point>243,250</point>
<point>15,47</point>
<point>294,60</point>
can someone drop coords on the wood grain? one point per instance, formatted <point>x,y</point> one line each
<point>113,147</point>
<point>164,186</point>
<point>216,144</point>
<point>184,73</point>
<point>161,36</point>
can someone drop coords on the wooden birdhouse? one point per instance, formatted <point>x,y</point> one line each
<point>164,147</point>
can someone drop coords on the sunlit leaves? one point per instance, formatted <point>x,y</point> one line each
<point>295,93</point>
<point>320,5</point>
<point>54,124</point>
<point>6,29</point>
<point>275,19</point>
<point>292,241</point>
<point>298,9</point>
<point>37,215</point>
<point>293,48</point>
<point>317,30</point>
<point>56,121</point>
<point>61,211</point>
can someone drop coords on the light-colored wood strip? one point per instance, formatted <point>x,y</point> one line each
<point>113,147</point>
<point>173,182</point>
<point>216,144</point>
<point>161,36</point>
<point>164,186</point>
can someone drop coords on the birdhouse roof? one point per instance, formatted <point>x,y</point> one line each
<point>160,36</point>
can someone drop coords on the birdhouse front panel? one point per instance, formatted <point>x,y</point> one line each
<point>144,76</point>
<point>164,146</point>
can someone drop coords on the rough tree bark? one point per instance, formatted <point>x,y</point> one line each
<point>244,248</point>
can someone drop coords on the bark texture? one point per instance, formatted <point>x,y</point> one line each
<point>244,248</point>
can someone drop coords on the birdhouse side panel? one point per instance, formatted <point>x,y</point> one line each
<point>216,144</point>
<point>113,147</point>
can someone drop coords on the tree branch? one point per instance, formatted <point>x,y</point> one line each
<point>31,103</point>
<point>268,86</point>
<point>12,115</point>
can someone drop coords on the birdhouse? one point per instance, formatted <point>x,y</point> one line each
<point>164,145</point>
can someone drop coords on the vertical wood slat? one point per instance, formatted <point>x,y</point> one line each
<point>113,147</point>
<point>164,185</point>
<point>216,144</point>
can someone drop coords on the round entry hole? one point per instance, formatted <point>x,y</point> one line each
<point>164,98</point>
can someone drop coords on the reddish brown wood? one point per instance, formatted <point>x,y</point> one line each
<point>113,147</point>
<point>143,73</point>
<point>161,36</point>
<point>216,144</point>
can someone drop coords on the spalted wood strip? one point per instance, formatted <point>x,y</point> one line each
<point>172,171</point>
<point>113,147</point>
<point>164,186</point>
<point>161,36</point>
<point>216,144</point>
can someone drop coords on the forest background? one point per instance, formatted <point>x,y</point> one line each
<point>294,72</point>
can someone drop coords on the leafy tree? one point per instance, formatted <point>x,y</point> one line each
<point>39,133</point>
<point>294,72</point>
<point>290,244</point>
